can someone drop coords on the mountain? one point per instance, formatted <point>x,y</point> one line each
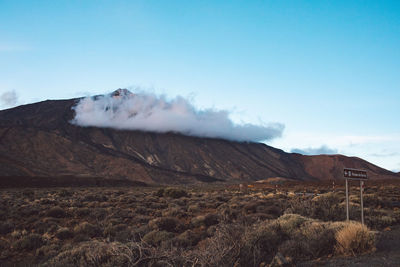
<point>39,145</point>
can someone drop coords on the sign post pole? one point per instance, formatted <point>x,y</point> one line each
<point>347,199</point>
<point>354,174</point>
<point>361,201</point>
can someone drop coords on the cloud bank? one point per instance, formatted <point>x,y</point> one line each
<point>8,99</point>
<point>315,151</point>
<point>150,112</point>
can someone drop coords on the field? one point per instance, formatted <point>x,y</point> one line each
<point>214,225</point>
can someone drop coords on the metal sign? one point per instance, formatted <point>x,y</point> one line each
<point>354,174</point>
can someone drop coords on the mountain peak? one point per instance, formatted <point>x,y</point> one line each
<point>121,92</point>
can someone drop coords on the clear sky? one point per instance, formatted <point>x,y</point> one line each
<point>328,70</point>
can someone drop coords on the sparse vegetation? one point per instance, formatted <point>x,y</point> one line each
<point>205,226</point>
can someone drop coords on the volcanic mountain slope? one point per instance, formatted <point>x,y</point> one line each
<point>38,140</point>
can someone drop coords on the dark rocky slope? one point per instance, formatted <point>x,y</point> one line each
<point>38,140</point>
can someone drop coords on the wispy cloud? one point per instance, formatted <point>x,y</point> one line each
<point>315,151</point>
<point>8,99</point>
<point>385,154</point>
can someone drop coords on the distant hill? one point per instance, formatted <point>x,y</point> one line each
<point>38,140</point>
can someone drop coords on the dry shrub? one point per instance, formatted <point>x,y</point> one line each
<point>175,192</point>
<point>98,253</point>
<point>64,233</point>
<point>29,242</point>
<point>325,207</point>
<point>354,238</point>
<point>291,222</point>
<point>87,229</point>
<point>188,238</point>
<point>169,224</point>
<point>222,249</point>
<point>260,242</point>
<point>6,227</point>
<point>155,237</point>
<point>312,240</point>
<point>205,220</point>
<point>94,253</point>
<point>81,212</point>
<point>56,212</point>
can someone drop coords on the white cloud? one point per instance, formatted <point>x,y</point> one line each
<point>150,112</point>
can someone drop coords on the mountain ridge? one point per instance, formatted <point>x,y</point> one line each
<point>38,140</point>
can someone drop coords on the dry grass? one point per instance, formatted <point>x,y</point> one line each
<point>354,238</point>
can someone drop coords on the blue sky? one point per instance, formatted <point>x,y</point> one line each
<point>328,70</point>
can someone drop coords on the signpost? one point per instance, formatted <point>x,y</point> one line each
<point>354,174</point>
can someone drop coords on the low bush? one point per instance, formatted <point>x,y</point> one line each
<point>205,220</point>
<point>260,243</point>
<point>64,233</point>
<point>155,237</point>
<point>29,242</point>
<point>94,253</point>
<point>56,212</point>
<point>187,239</point>
<point>175,192</point>
<point>81,212</point>
<point>223,248</point>
<point>169,224</point>
<point>6,227</point>
<point>87,229</point>
<point>354,238</point>
<point>28,193</point>
<point>291,222</point>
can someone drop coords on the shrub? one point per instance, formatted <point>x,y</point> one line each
<point>87,229</point>
<point>260,243</point>
<point>205,220</point>
<point>159,192</point>
<point>56,212</point>
<point>326,207</point>
<point>6,227</point>
<point>175,192</point>
<point>156,237</point>
<point>95,197</point>
<point>211,219</point>
<point>47,251</point>
<point>223,248</point>
<point>80,212</point>
<point>94,253</point>
<point>29,242</point>
<point>119,232</point>
<point>112,230</point>
<point>139,233</point>
<point>28,193</point>
<point>173,211</point>
<point>169,224</point>
<point>354,239</point>
<point>187,239</point>
<point>198,220</point>
<point>312,240</point>
<point>64,233</point>
<point>65,193</point>
<point>291,222</point>
<point>193,208</point>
